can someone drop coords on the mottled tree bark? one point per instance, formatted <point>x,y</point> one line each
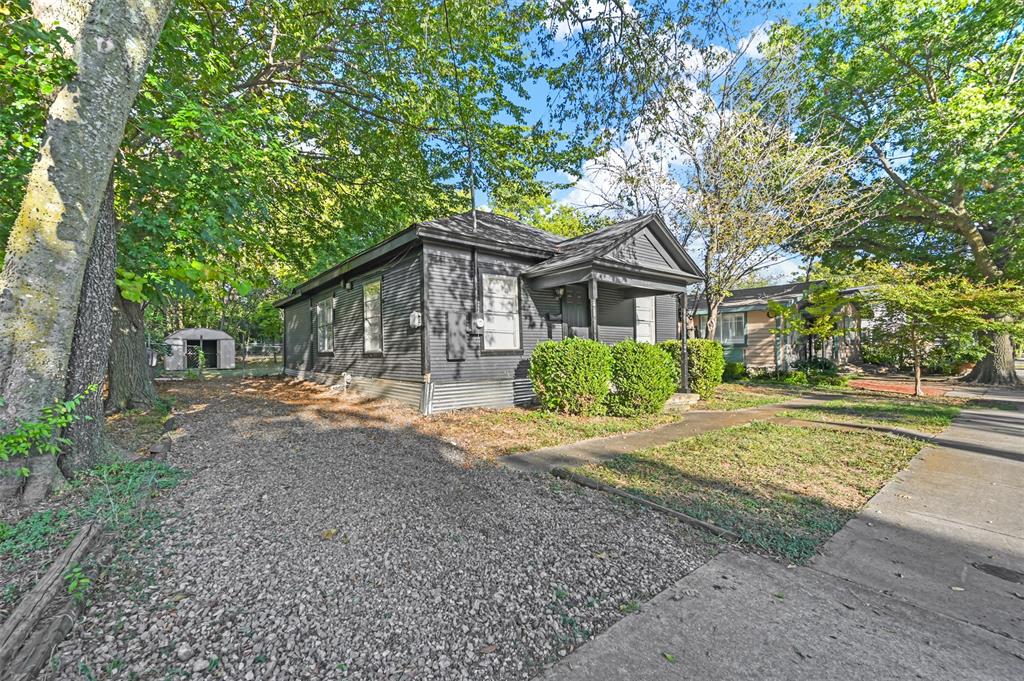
<point>997,367</point>
<point>91,344</point>
<point>52,237</point>
<point>129,383</point>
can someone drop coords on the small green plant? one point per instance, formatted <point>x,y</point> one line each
<point>32,533</point>
<point>572,376</point>
<point>643,378</point>
<point>734,371</point>
<point>78,582</point>
<point>42,436</point>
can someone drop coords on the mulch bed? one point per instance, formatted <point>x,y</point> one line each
<point>900,387</point>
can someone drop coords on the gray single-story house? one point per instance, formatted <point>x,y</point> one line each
<point>187,347</point>
<point>446,313</point>
<point>749,333</point>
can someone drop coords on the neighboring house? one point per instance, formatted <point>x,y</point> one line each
<point>446,313</point>
<point>745,329</point>
<point>187,347</point>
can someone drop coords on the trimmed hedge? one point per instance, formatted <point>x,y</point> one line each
<point>572,376</point>
<point>706,363</point>
<point>643,378</point>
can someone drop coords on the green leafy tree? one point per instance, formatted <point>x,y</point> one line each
<point>932,90</point>
<point>917,307</point>
<point>32,66</point>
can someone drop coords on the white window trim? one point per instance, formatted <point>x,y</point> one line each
<point>380,317</point>
<point>325,321</point>
<point>652,324</point>
<point>721,326</point>
<point>517,335</point>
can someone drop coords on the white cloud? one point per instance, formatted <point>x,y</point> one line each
<point>750,45</point>
<point>586,10</point>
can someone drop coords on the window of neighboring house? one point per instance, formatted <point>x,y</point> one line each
<point>732,328</point>
<point>645,332</point>
<point>501,311</point>
<point>325,325</point>
<point>373,319</point>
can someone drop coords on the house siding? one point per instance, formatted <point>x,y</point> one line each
<point>642,249</point>
<point>616,316</point>
<point>400,296</point>
<point>760,349</point>
<point>666,320</point>
<point>450,283</point>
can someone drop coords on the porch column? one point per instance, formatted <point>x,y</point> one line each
<point>684,359</point>
<point>593,308</point>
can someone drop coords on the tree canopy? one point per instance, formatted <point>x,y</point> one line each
<point>932,91</point>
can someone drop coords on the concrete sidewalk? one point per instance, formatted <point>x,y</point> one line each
<point>926,582</point>
<point>602,449</point>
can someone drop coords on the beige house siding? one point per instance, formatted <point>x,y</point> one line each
<point>760,350</point>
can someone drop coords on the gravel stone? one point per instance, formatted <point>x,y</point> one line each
<point>438,569</point>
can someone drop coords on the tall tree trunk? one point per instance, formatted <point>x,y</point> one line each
<point>129,383</point>
<point>712,322</point>
<point>997,367</point>
<point>91,344</point>
<point>52,237</point>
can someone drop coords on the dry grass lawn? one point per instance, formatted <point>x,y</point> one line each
<point>784,489</point>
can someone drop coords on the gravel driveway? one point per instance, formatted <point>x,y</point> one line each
<point>436,571</point>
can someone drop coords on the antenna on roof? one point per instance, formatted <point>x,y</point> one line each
<point>465,128</point>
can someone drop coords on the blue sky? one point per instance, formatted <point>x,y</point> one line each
<point>537,106</point>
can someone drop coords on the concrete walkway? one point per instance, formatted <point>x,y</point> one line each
<point>926,582</point>
<point>601,449</point>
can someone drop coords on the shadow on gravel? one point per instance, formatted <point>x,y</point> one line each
<point>325,537</point>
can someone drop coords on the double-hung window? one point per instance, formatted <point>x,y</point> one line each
<point>373,319</point>
<point>501,311</point>
<point>325,325</point>
<point>732,328</point>
<point>645,330</point>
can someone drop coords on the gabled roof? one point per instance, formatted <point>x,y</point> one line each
<point>196,334</point>
<point>595,245</point>
<point>505,234</point>
<point>757,298</point>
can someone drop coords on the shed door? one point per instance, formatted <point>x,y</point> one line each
<point>576,311</point>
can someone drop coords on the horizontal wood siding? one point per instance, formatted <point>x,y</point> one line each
<point>641,249</point>
<point>616,317</point>
<point>665,318</point>
<point>400,296</point>
<point>450,289</point>
<point>760,350</point>
<point>296,335</point>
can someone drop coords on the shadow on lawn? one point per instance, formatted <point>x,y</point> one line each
<point>767,516</point>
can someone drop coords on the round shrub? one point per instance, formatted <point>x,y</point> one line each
<point>706,363</point>
<point>572,376</point>
<point>643,378</point>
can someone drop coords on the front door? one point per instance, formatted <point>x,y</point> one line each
<point>576,311</point>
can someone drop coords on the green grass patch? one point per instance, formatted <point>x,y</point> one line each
<point>919,414</point>
<point>111,493</point>
<point>784,489</point>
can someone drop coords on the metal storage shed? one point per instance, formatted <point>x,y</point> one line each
<point>218,350</point>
